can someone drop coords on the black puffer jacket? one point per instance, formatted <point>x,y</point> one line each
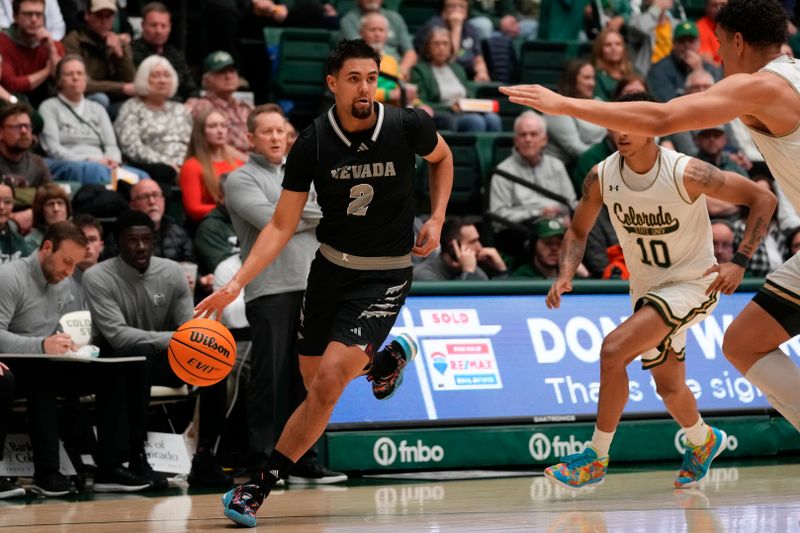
<point>172,242</point>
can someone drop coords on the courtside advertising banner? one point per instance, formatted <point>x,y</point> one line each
<point>509,357</point>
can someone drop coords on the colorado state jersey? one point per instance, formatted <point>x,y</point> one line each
<point>782,154</point>
<point>364,179</point>
<point>665,237</point>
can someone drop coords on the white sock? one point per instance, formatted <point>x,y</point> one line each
<point>779,378</point>
<point>601,441</point>
<point>696,434</point>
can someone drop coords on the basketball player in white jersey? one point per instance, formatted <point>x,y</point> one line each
<point>762,87</point>
<point>655,198</point>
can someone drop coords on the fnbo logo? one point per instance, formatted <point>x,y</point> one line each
<point>386,452</point>
<point>731,442</point>
<point>540,446</point>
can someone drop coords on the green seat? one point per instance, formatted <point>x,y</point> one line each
<point>501,148</point>
<point>581,50</point>
<point>417,12</point>
<point>301,62</point>
<point>465,198</point>
<point>343,7</point>
<point>542,62</point>
<point>467,174</point>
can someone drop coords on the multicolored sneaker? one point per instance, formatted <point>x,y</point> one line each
<point>579,469</point>
<point>403,349</point>
<point>241,504</point>
<point>697,459</point>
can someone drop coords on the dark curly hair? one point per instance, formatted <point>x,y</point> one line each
<point>637,97</point>
<point>350,49</point>
<point>761,22</point>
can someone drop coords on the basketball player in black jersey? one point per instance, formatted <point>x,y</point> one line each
<point>360,158</point>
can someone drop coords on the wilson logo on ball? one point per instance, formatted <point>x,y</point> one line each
<point>205,340</point>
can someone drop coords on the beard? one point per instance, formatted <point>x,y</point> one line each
<point>20,146</point>
<point>360,113</point>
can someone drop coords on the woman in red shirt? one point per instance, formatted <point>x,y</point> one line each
<point>208,157</point>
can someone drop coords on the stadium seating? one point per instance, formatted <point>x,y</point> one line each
<point>301,62</point>
<point>417,12</point>
<point>542,61</point>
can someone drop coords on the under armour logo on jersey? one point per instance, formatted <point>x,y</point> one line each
<point>613,187</point>
<point>356,331</point>
<point>362,148</point>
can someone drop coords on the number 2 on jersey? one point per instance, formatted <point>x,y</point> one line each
<point>658,252</point>
<point>362,196</point>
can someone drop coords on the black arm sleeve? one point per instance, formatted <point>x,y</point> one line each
<point>301,162</point>
<point>420,131</point>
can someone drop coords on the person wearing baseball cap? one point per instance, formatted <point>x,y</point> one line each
<point>108,55</point>
<point>221,81</point>
<point>543,247</point>
<point>667,78</point>
<point>711,143</point>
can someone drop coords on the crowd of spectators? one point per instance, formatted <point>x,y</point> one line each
<point>136,174</point>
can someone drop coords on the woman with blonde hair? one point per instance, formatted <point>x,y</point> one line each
<point>611,63</point>
<point>208,157</point>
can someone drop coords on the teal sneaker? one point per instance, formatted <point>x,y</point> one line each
<point>403,349</point>
<point>579,469</point>
<point>697,459</point>
<point>241,504</point>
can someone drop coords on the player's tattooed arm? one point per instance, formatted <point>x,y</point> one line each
<point>574,245</point>
<point>702,178</point>
<point>591,181</point>
<point>752,238</point>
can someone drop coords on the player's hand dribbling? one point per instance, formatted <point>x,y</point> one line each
<point>428,238</point>
<point>728,279</point>
<point>556,290</point>
<point>212,306</point>
<point>537,97</point>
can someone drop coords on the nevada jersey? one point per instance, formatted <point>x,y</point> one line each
<point>665,237</point>
<point>363,179</point>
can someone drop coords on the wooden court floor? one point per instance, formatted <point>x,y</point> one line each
<point>761,499</point>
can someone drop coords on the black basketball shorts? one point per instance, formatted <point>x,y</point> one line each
<point>354,307</point>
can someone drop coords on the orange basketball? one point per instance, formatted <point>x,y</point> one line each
<point>202,352</point>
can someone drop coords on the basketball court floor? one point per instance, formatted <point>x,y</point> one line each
<point>762,498</point>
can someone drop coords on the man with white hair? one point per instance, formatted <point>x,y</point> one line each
<point>398,45</point>
<point>375,31</point>
<point>514,201</point>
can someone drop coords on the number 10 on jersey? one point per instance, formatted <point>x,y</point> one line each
<point>658,252</point>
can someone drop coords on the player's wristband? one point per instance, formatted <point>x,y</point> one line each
<point>740,259</point>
